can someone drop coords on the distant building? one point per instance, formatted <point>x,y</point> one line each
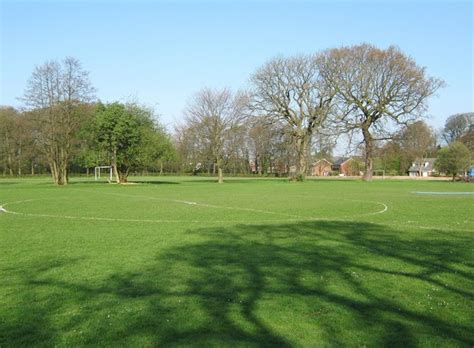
<point>321,168</point>
<point>344,166</point>
<point>424,167</point>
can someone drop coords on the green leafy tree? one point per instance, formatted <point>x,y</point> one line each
<point>453,159</point>
<point>456,126</point>
<point>129,136</point>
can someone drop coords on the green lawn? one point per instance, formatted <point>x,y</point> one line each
<point>185,261</point>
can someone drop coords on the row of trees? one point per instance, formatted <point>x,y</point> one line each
<point>64,127</point>
<point>361,91</point>
<point>418,141</point>
<point>296,108</point>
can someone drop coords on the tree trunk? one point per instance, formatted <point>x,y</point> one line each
<point>123,175</point>
<point>368,160</point>
<point>32,168</point>
<point>301,151</point>
<point>19,158</point>
<point>58,166</point>
<point>64,174</point>
<point>10,164</point>
<point>53,166</point>
<point>220,175</point>
<point>114,167</point>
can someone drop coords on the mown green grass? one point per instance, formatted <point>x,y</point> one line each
<point>252,263</point>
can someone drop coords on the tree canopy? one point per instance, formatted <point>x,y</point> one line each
<point>453,159</point>
<point>129,136</point>
<point>292,91</point>
<point>377,91</point>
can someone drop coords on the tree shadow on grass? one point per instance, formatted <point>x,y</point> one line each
<point>325,283</point>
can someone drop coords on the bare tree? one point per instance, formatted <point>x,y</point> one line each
<point>54,92</point>
<point>214,116</point>
<point>271,148</point>
<point>291,90</point>
<point>377,90</point>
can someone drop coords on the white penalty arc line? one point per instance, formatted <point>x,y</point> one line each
<point>290,217</point>
<point>384,210</point>
<point>293,216</point>
<point>92,218</point>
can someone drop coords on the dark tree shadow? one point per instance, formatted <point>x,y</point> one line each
<point>347,283</point>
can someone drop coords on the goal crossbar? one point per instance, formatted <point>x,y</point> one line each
<point>380,171</point>
<point>97,171</point>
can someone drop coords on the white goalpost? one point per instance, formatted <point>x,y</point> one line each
<point>380,171</point>
<point>98,169</point>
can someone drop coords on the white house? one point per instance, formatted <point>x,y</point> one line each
<point>423,167</point>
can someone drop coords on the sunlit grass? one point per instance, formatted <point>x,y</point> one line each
<point>185,261</point>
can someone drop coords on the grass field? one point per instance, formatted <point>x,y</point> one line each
<point>184,261</point>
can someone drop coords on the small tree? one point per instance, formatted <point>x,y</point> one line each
<point>417,142</point>
<point>213,118</point>
<point>453,159</point>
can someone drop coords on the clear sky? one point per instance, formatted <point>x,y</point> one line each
<point>161,52</point>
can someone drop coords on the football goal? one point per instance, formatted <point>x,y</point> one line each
<point>98,170</point>
<point>380,172</point>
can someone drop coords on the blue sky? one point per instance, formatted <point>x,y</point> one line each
<point>160,53</point>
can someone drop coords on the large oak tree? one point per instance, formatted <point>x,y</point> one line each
<point>292,91</point>
<point>377,91</point>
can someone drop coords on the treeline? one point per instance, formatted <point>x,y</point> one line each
<point>296,109</point>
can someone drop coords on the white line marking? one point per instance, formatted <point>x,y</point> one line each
<point>289,217</point>
<point>93,218</point>
<point>385,208</point>
<point>442,193</point>
<point>196,203</point>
